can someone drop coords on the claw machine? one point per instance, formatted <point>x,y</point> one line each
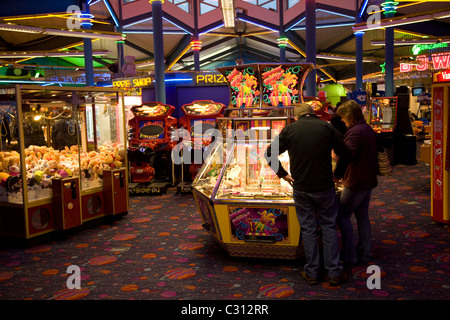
<point>440,144</point>
<point>150,146</point>
<point>55,161</point>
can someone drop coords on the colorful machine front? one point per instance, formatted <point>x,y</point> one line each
<point>440,144</point>
<point>150,148</point>
<point>199,118</point>
<point>258,88</point>
<point>383,114</point>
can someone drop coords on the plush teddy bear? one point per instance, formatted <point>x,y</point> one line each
<point>129,68</point>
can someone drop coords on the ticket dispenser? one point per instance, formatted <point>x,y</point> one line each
<point>67,203</point>
<point>115,191</point>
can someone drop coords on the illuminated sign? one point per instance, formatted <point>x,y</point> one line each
<point>442,76</point>
<point>420,47</point>
<point>210,79</point>
<point>74,77</point>
<point>439,60</point>
<point>133,82</point>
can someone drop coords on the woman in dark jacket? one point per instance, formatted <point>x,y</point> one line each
<point>359,180</point>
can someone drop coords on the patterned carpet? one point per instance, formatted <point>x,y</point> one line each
<point>159,251</point>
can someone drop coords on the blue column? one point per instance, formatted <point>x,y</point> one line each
<point>158,48</point>
<point>310,11</point>
<point>88,59</point>
<point>120,59</point>
<point>281,32</point>
<point>389,58</point>
<point>195,37</point>
<point>359,59</point>
<point>389,12</point>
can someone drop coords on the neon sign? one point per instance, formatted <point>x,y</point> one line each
<point>133,82</point>
<point>420,47</point>
<point>439,60</point>
<point>209,79</point>
<point>442,76</point>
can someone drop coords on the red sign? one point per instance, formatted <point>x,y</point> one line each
<point>437,153</point>
<point>439,60</point>
<point>441,76</point>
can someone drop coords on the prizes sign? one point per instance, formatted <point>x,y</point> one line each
<point>133,82</point>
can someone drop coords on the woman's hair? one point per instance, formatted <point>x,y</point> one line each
<point>228,111</point>
<point>351,111</point>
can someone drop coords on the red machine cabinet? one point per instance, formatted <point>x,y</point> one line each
<point>66,203</point>
<point>92,205</point>
<point>151,124</point>
<point>149,132</point>
<point>115,191</point>
<point>199,116</point>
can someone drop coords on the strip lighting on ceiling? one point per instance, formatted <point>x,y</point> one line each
<point>15,55</point>
<point>342,58</point>
<point>89,34</point>
<point>409,42</point>
<point>386,23</point>
<point>228,13</point>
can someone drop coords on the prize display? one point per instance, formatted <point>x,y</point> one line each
<point>247,208</point>
<point>60,163</point>
<point>149,134</point>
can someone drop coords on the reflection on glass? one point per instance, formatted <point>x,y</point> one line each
<point>40,218</point>
<point>94,204</point>
<point>246,174</point>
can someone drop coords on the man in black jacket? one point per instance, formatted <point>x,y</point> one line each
<point>309,142</point>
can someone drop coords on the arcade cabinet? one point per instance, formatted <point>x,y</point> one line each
<point>199,116</point>
<point>383,119</point>
<point>151,168</point>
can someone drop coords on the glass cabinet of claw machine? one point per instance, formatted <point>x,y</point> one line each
<point>62,158</point>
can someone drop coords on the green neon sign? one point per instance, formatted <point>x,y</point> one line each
<point>417,48</point>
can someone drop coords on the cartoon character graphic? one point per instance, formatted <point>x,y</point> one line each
<point>264,226</point>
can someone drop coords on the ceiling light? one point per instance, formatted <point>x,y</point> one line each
<point>89,34</point>
<point>228,13</point>
<point>409,42</point>
<point>14,55</point>
<point>19,28</point>
<point>342,58</point>
<point>401,21</point>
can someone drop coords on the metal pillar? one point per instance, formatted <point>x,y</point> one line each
<point>389,12</point>
<point>359,59</point>
<point>196,37</point>
<point>88,59</point>
<point>389,58</point>
<point>281,32</point>
<point>310,11</point>
<point>158,48</point>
